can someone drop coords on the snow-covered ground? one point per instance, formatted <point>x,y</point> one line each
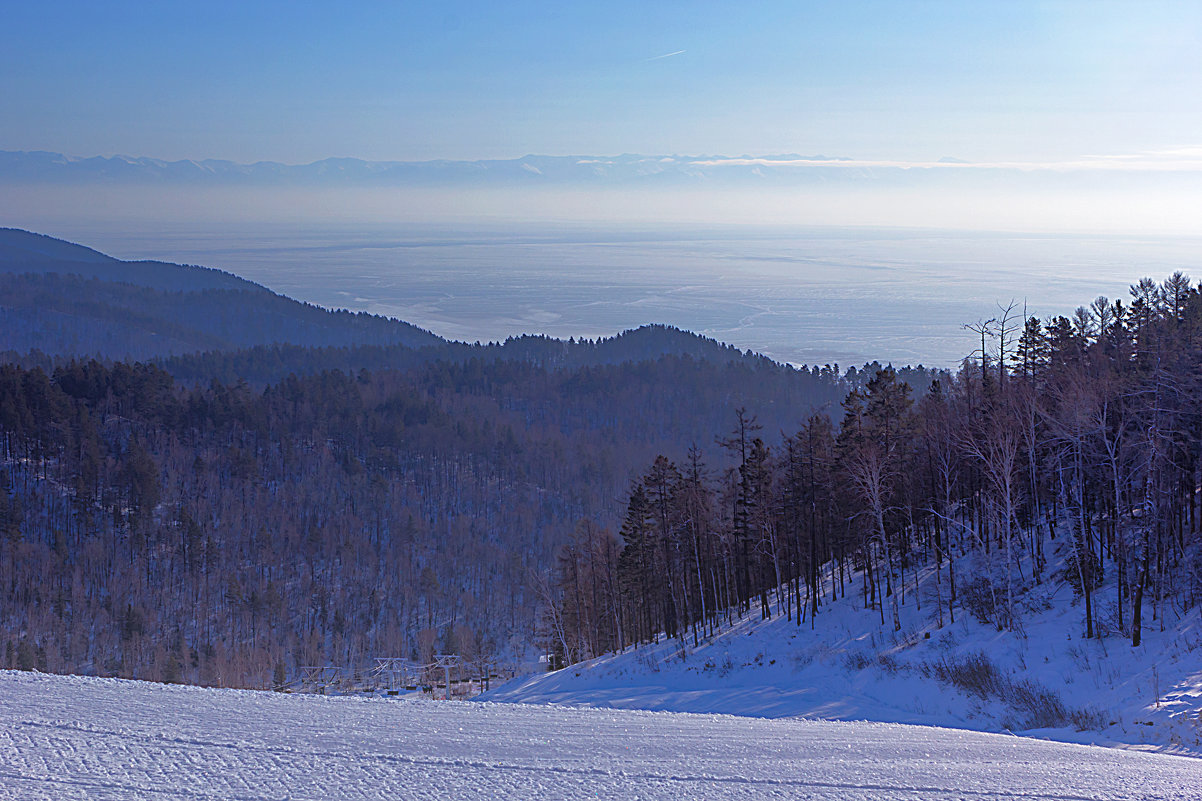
<point>851,666</point>
<point>71,737</point>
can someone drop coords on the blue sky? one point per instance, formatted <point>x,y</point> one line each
<point>296,82</point>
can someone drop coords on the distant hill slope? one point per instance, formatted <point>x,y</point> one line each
<point>67,300</point>
<point>18,245</point>
<point>257,501</point>
<point>27,252</point>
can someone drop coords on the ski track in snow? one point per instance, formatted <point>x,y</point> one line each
<point>67,737</point>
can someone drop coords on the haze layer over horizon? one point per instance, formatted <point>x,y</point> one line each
<point>1078,118</point>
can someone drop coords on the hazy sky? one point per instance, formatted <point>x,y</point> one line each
<point>297,82</point>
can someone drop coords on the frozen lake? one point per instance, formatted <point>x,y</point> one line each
<point>811,296</point>
<point>76,738</point>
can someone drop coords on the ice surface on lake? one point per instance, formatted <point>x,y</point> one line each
<point>80,738</point>
<point>812,296</point>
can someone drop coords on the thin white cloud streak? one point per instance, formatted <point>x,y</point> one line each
<point>666,55</point>
<point>1180,159</point>
<point>1132,162</point>
<point>1185,159</point>
<point>1171,154</point>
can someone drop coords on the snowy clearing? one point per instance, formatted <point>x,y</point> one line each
<point>71,737</point>
<point>848,664</point>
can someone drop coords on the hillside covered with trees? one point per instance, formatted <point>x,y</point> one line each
<point>218,533</point>
<point>231,512</point>
<point>1086,428</point>
<point>65,300</point>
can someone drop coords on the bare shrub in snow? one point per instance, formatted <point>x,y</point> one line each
<point>974,674</point>
<point>1035,602</point>
<point>1042,708</point>
<point>1087,719</point>
<point>947,640</point>
<point>1037,706</point>
<point>986,601</point>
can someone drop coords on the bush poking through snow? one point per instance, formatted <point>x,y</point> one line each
<point>1042,708</point>
<point>1037,706</point>
<point>859,660</point>
<point>974,674</point>
<point>986,601</point>
<point>1034,603</point>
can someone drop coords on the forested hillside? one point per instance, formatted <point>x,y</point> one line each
<point>270,363</point>
<point>216,533</point>
<point>1087,428</point>
<point>301,486</point>
<point>27,252</point>
<point>254,503</point>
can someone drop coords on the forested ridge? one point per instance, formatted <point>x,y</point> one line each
<point>68,315</point>
<point>270,363</point>
<point>1087,428</point>
<point>65,301</point>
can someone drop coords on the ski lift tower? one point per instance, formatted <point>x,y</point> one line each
<point>396,672</point>
<point>446,662</point>
<point>317,678</point>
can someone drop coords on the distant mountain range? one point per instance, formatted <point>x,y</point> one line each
<point>531,170</point>
<point>625,170</point>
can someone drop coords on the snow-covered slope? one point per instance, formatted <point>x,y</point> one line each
<point>84,738</point>
<point>1046,680</point>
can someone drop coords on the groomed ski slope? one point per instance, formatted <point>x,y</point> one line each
<point>72,738</point>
